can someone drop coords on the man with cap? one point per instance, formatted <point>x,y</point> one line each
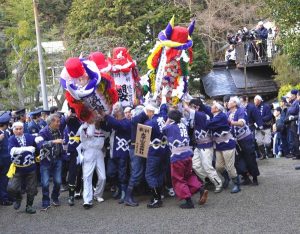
<point>293,96</point>
<point>237,116</point>
<point>20,115</point>
<point>4,158</point>
<point>203,153</point>
<point>185,182</point>
<point>263,136</point>
<point>291,122</point>
<point>44,115</point>
<point>22,150</point>
<point>120,122</point>
<point>34,126</point>
<point>224,144</point>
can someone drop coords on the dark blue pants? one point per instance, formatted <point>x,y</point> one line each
<point>54,168</point>
<point>137,169</point>
<point>73,168</point>
<point>293,139</point>
<point>117,168</point>
<point>155,170</point>
<point>246,154</point>
<point>4,166</point>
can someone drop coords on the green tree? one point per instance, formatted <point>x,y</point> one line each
<point>20,86</point>
<point>286,14</point>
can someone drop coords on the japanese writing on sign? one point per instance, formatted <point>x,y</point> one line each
<point>142,141</point>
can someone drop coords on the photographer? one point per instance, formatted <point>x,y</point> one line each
<point>261,34</point>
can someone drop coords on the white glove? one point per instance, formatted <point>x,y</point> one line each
<point>79,159</point>
<point>38,139</point>
<point>30,149</point>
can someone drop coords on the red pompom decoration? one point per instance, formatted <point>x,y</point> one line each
<point>74,67</point>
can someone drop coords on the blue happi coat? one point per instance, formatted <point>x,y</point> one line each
<point>221,132</point>
<point>70,135</point>
<point>254,116</point>
<point>25,161</point>
<point>178,140</point>
<point>158,146</point>
<point>240,133</point>
<point>122,136</point>
<point>202,134</point>
<point>266,114</point>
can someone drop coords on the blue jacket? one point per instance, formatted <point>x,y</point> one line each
<point>158,146</point>
<point>262,33</point>
<point>202,134</point>
<point>220,127</point>
<point>253,116</point>
<point>122,135</point>
<point>70,131</point>
<point>177,137</point>
<point>240,133</point>
<point>26,159</point>
<point>34,128</point>
<point>4,153</point>
<point>47,147</point>
<point>266,114</point>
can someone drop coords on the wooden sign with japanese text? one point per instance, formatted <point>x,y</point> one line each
<point>142,140</point>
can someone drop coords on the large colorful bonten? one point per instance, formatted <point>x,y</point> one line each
<point>86,91</point>
<point>169,62</point>
<point>125,74</point>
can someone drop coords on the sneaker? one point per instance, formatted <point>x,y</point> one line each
<point>87,205</point>
<point>71,201</point>
<point>45,207</point>
<point>171,192</point>
<point>77,195</point>
<point>30,210</point>
<point>55,203</point>
<point>99,199</point>
<point>154,203</point>
<point>17,204</point>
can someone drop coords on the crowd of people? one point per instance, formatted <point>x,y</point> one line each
<point>192,145</point>
<point>258,44</point>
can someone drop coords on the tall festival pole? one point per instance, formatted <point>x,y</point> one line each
<point>40,55</point>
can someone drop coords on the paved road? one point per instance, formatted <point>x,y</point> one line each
<point>272,207</point>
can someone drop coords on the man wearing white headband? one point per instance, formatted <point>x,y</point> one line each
<point>263,136</point>
<point>22,148</point>
<point>224,144</point>
<point>238,119</point>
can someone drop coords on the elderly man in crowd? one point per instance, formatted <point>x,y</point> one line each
<point>225,144</point>
<point>264,136</point>
<point>50,143</point>
<point>237,116</point>
<point>22,148</point>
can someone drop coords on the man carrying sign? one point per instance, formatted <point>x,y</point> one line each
<point>137,163</point>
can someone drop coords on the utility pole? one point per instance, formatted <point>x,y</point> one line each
<point>40,55</point>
